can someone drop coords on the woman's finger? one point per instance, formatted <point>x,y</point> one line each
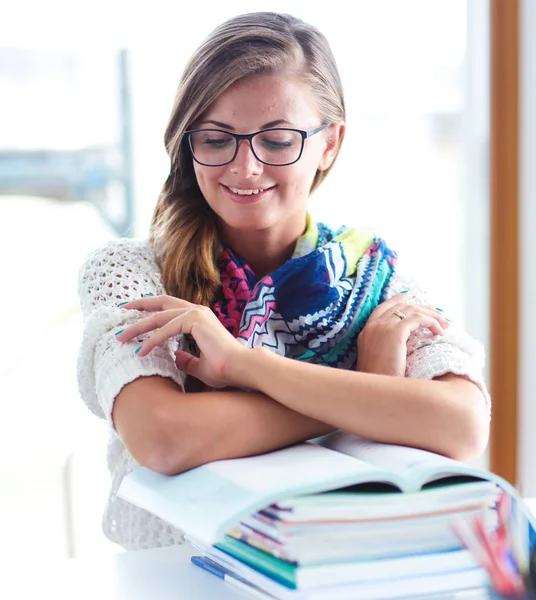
<point>430,312</point>
<point>181,324</point>
<point>191,365</point>
<point>186,362</point>
<point>417,320</point>
<point>155,303</point>
<point>388,305</point>
<point>147,324</point>
<point>150,304</point>
<point>411,309</point>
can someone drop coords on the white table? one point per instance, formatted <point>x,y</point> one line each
<point>159,574</point>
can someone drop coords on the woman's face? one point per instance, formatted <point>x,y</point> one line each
<point>246,107</point>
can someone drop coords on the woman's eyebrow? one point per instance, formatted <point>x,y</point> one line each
<point>231,128</point>
<point>218,124</point>
<point>277,123</point>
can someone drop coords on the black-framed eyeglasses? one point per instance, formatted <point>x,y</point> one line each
<point>278,146</point>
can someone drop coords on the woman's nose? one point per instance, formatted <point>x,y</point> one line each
<point>245,162</point>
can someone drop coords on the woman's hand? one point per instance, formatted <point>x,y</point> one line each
<point>382,345</point>
<point>173,316</point>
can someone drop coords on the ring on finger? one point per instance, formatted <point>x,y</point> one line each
<point>399,314</point>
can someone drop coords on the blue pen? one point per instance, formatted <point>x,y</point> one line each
<point>209,565</point>
<point>228,576</point>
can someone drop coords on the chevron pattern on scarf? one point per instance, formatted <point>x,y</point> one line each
<point>315,305</point>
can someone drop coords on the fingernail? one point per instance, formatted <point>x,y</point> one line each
<point>137,350</point>
<point>448,320</point>
<point>118,332</point>
<point>148,294</point>
<point>439,309</point>
<point>121,303</point>
<point>404,292</point>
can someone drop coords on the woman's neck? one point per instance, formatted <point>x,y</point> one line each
<point>263,253</point>
<point>262,258</point>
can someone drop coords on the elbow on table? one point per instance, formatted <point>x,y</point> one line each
<point>153,420</point>
<point>167,451</point>
<point>471,438</point>
<point>160,459</point>
<point>464,428</point>
<point>467,450</point>
<point>159,445</point>
<point>157,459</point>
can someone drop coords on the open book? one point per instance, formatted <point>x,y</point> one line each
<point>311,479</point>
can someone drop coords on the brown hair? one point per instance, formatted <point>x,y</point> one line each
<point>184,229</point>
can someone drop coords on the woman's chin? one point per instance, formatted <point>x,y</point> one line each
<point>250,224</point>
<point>254,220</point>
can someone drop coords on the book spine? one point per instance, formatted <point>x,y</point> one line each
<point>260,542</point>
<point>274,568</point>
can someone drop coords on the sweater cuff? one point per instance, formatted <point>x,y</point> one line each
<point>427,363</point>
<point>113,375</point>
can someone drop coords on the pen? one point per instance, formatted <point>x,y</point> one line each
<point>520,537</point>
<point>467,536</point>
<point>504,539</point>
<point>229,577</point>
<point>496,550</point>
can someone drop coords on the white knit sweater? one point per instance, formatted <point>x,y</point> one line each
<point>124,270</point>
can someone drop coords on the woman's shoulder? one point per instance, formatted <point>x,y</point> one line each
<point>123,257</point>
<point>368,240</point>
<point>123,247</point>
<point>122,253</point>
<point>119,270</point>
<point>364,240</point>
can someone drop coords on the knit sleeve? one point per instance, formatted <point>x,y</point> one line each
<point>431,356</point>
<point>120,271</point>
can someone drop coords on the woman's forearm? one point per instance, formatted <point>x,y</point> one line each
<point>170,431</point>
<point>449,417</point>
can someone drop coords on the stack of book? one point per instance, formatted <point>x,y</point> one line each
<point>343,518</point>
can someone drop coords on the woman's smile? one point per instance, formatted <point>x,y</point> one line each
<point>247,195</point>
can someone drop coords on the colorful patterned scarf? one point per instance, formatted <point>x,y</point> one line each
<point>314,306</point>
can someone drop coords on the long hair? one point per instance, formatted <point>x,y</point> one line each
<point>184,229</point>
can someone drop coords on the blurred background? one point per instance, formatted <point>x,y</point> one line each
<point>85,94</point>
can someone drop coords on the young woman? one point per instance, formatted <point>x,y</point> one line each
<point>210,339</point>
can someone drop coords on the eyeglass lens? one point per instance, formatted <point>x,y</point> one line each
<point>275,146</point>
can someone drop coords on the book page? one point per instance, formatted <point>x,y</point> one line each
<point>416,466</point>
<point>296,468</point>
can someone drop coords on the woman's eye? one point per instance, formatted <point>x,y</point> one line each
<point>275,144</point>
<point>216,142</point>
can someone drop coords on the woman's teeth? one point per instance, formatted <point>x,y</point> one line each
<point>245,192</point>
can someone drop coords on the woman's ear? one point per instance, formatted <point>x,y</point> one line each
<point>333,141</point>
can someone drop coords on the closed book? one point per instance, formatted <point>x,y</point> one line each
<point>306,577</point>
<point>311,544</point>
<point>387,588</point>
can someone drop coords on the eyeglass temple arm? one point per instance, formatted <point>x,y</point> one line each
<point>317,130</point>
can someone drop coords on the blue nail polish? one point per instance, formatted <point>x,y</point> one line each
<point>137,350</point>
<point>148,294</point>
<point>448,320</point>
<point>404,292</point>
<point>439,309</point>
<point>118,332</point>
<point>121,303</point>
